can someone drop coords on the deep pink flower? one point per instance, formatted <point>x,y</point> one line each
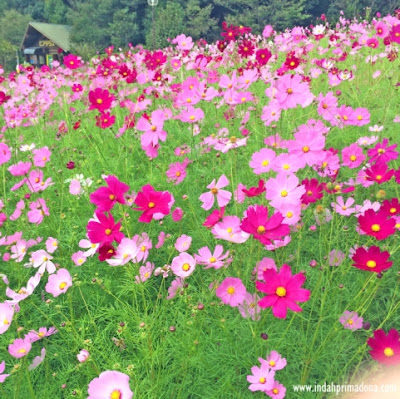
<point>71,61</point>
<point>5,153</point>
<point>255,191</point>
<point>150,202</point>
<point>105,197</point>
<point>385,348</point>
<point>371,259</point>
<point>263,229</point>
<point>376,224</point>
<point>177,214</point>
<point>283,291</point>
<point>314,191</point>
<point>100,99</point>
<point>382,152</point>
<point>177,171</point>
<point>379,173</point>
<point>353,156</point>
<point>105,231</point>
<point>215,216</point>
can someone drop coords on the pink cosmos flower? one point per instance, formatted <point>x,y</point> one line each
<point>59,283</point>
<point>283,291</point>
<point>382,30</point>
<point>6,316</point>
<point>336,257</point>
<point>274,361</point>
<point>385,347</point>
<point>161,240</point>
<point>249,307</point>
<point>229,229</point>
<point>343,208</point>
<point>291,91</point>
<point>175,285</point>
<point>353,156</point>
<point>263,265</point>
<point>177,214</point>
<point>110,385</point>
<point>19,348</point>
<point>223,196</point>
<point>263,229</point>
<point>177,171</point>
<point>143,242</point>
<point>351,320</point>
<point>86,244</point>
<point>79,258</point>
<point>216,259</point>
<point>183,265</point>
<point>20,169</point>
<point>37,360</point>
<point>183,42</point>
<point>51,245</point>
<point>42,260</point>
<point>38,209</point>
<point>182,243</point>
<point>43,332</point>
<point>151,202</point>
<point>231,291</point>
<point>284,189</point>
<point>278,391</point>
<point>105,197</point>
<point>287,164</point>
<point>382,152</point>
<point>41,156</point>
<point>261,161</point>
<point>5,153</point>
<point>83,356</point>
<point>2,368</point>
<point>152,128</point>
<point>23,293</point>
<point>308,144</point>
<point>215,216</point>
<point>104,230</point>
<point>271,113</point>
<point>262,379</point>
<point>191,115</point>
<point>127,251</point>
<point>145,272</point>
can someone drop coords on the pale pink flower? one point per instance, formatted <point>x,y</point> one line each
<point>274,361</point>
<point>75,187</point>
<point>262,379</point>
<point>41,156</point>
<point>86,244</point>
<point>37,360</point>
<point>43,332</point>
<point>19,348</point>
<point>216,259</point>
<point>177,214</point>
<point>182,243</point>
<point>249,307</point>
<point>231,291</point>
<point>51,245</point>
<point>263,265</point>
<point>2,368</point>
<point>145,272</point>
<point>343,208</point>
<point>127,250</point>
<point>183,265</point>
<point>59,283</point>
<point>175,285</point>
<point>229,229</point>
<point>223,196</point>
<point>6,316</point>
<point>83,355</point>
<point>261,161</point>
<point>110,385</point>
<point>79,258</point>
<point>284,189</point>
<point>42,260</point>
<point>38,210</point>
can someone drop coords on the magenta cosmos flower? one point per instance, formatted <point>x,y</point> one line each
<point>59,283</point>
<point>105,197</point>
<point>263,229</point>
<point>231,291</point>
<point>376,224</point>
<point>150,202</point>
<point>385,348</point>
<point>283,291</point>
<point>371,259</point>
<point>105,231</point>
<point>110,385</point>
<point>223,196</point>
<point>100,99</point>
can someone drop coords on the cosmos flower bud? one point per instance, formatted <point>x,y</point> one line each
<point>83,356</point>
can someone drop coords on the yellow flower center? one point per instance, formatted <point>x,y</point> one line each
<point>350,322</point>
<point>392,210</point>
<point>99,101</point>
<point>151,205</point>
<point>306,148</point>
<point>260,229</point>
<point>115,395</point>
<point>62,285</point>
<point>289,214</point>
<point>353,158</point>
<point>177,174</point>
<point>22,350</point>
<point>289,91</point>
<point>388,352</point>
<point>371,264</point>
<point>275,391</point>
<point>280,291</point>
<point>153,128</point>
<point>286,166</point>
<point>143,248</point>
<point>230,290</point>
<point>5,322</point>
<point>262,380</point>
<point>185,267</point>
<point>41,334</point>
<point>379,177</point>
<point>359,117</point>
<point>108,232</point>
<point>284,193</point>
<point>212,260</point>
<point>265,163</point>
<point>229,229</point>
<point>214,190</point>
<point>112,197</point>
<point>192,118</point>
<point>292,63</point>
<point>375,227</point>
<point>381,151</point>
<point>272,363</point>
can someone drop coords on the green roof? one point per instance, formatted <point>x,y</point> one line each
<point>58,34</point>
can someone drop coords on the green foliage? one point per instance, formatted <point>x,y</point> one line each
<point>198,21</point>
<point>124,29</point>
<point>13,25</point>
<point>168,24</point>
<point>55,12</point>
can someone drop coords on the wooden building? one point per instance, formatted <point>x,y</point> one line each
<point>44,43</point>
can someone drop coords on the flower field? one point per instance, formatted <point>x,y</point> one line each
<point>209,220</point>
